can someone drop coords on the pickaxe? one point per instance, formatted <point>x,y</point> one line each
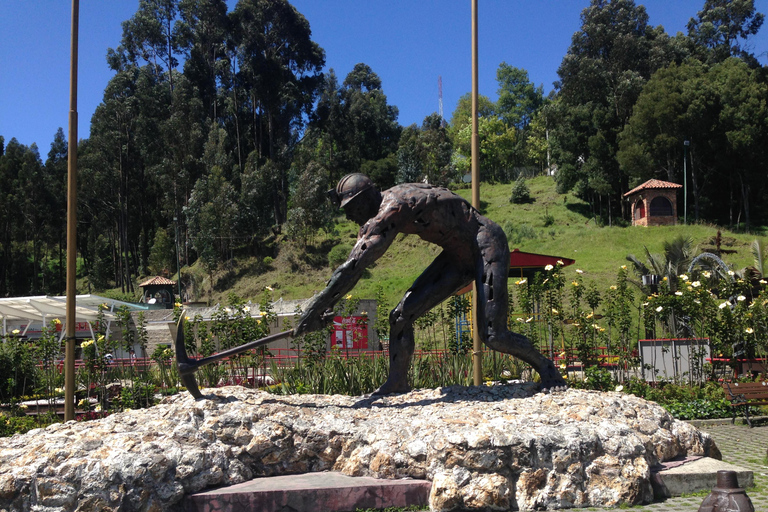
<point>187,366</point>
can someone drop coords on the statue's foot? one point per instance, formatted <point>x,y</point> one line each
<point>392,387</point>
<point>551,380</point>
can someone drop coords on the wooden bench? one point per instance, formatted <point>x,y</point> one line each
<point>744,395</point>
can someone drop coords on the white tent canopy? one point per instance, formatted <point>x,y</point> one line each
<point>23,311</point>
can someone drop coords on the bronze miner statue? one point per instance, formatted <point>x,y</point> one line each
<point>474,248</point>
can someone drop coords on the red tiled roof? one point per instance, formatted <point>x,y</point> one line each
<point>157,280</point>
<point>653,184</point>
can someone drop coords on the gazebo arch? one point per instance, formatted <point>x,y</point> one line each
<point>661,207</point>
<point>638,210</point>
<point>654,203</point>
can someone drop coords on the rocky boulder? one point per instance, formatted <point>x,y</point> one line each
<point>502,447</point>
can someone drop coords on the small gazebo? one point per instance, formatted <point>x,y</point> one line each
<point>159,291</point>
<point>654,203</point>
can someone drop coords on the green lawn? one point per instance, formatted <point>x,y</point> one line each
<point>571,232</point>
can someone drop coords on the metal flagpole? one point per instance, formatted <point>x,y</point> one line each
<point>477,346</point>
<point>69,359</point>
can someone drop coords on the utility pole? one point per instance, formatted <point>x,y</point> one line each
<point>685,180</point>
<point>178,261</point>
<point>71,318</point>
<point>477,345</point>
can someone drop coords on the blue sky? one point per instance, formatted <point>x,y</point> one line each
<point>408,43</point>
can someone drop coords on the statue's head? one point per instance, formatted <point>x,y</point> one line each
<point>358,196</point>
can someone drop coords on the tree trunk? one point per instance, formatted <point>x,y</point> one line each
<point>694,185</point>
<point>745,201</point>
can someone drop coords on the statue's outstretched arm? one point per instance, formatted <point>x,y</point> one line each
<point>367,250</point>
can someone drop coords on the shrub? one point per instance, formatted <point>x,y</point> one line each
<point>599,379</point>
<point>520,192</point>
<point>517,234</point>
<point>338,255</point>
<point>547,219</point>
<point>21,424</point>
<point>18,373</point>
<point>699,409</point>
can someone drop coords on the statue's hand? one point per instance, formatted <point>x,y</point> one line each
<point>313,321</point>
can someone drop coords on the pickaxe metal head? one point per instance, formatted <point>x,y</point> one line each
<point>187,366</point>
<point>184,363</point>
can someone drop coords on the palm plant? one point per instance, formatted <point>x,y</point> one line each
<point>673,262</point>
<point>759,266</point>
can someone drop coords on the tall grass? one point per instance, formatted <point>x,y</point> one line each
<point>364,373</point>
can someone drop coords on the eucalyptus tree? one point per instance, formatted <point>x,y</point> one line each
<point>212,216</point>
<point>55,181</point>
<point>353,128</point>
<point>279,67</point>
<point>21,218</point>
<point>462,114</point>
<point>202,37</point>
<point>519,99</point>
<point>309,209</point>
<point>721,112</point>
<point>277,77</point>
<point>425,153</point>
<point>609,61</point>
<point>160,35</point>
<point>721,29</point>
<point>152,35</point>
<point>373,129</point>
<point>124,151</point>
<point>678,104</point>
<point>326,137</point>
<point>498,148</point>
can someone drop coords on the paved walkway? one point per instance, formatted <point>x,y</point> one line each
<point>739,445</point>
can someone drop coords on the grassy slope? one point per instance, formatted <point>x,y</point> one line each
<point>599,251</point>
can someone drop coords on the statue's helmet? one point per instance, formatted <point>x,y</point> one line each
<point>349,187</point>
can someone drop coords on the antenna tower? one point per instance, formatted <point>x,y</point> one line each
<point>440,98</point>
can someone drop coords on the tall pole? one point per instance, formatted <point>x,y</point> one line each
<point>685,181</point>
<point>178,258</point>
<point>477,345</point>
<point>69,358</point>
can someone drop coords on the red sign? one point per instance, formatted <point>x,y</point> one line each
<point>350,332</point>
<point>81,329</point>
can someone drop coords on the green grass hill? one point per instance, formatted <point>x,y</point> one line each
<point>552,223</point>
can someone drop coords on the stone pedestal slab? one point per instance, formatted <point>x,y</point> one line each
<point>329,492</point>
<point>693,474</point>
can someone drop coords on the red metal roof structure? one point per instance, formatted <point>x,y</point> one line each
<point>525,264</point>
<point>519,260</point>
<point>653,184</point>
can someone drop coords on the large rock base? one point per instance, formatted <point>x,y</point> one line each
<point>489,448</point>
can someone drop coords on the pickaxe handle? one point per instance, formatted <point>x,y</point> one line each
<point>187,366</point>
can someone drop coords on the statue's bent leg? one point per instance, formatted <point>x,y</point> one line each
<point>521,347</point>
<point>444,276</point>
<point>494,306</point>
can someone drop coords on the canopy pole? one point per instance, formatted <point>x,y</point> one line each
<point>69,359</point>
<point>477,345</point>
